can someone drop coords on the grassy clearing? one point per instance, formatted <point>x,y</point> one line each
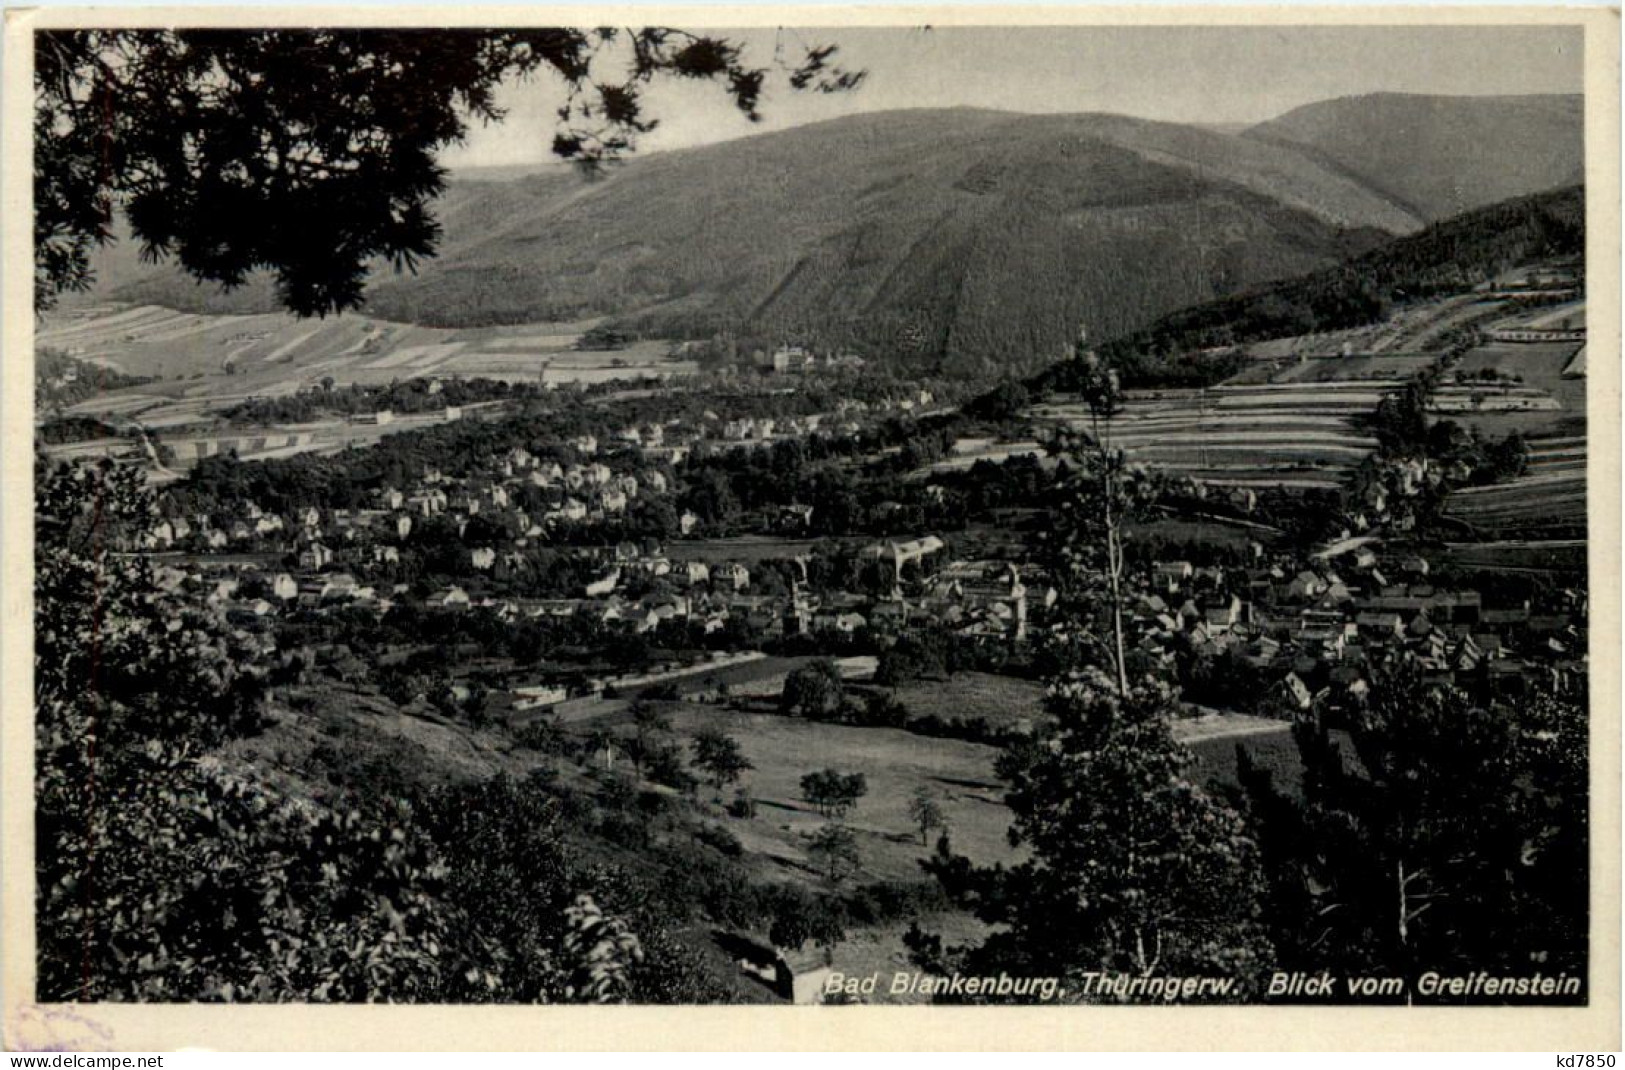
<point>895,763</point>
<point>1004,701</point>
<point>340,739</point>
<point>1540,364</point>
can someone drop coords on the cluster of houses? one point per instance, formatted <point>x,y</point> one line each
<point>985,600</point>
<point>1317,627</point>
<point>600,485</point>
<point>1319,630</point>
<point>801,360</point>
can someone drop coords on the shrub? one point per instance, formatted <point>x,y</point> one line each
<point>719,838</point>
<point>743,805</point>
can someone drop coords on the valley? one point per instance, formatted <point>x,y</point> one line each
<point>741,537</point>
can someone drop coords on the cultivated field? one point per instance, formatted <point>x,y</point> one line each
<point>1389,367</point>
<point>1548,406</point>
<point>1464,399</point>
<point>1568,316</point>
<point>1258,435</point>
<point>205,362</point>
<point>1408,330</point>
<point>1520,555</point>
<point>192,440</point>
<point>1550,497</point>
<point>1549,397</point>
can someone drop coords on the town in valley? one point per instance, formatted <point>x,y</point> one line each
<point>772,645</point>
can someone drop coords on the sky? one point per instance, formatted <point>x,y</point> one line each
<point>1207,74</point>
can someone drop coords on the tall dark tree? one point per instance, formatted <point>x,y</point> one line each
<point>165,873</point>
<point>925,812</point>
<point>814,691</point>
<point>650,726</point>
<point>718,756</point>
<point>1100,494</point>
<point>308,153</point>
<point>1134,869</point>
<point>833,792</point>
<point>835,849</point>
<point>1434,833</point>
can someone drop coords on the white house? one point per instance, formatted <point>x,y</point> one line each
<point>537,696</point>
<point>733,574</point>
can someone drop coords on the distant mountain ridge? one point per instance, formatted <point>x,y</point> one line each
<point>1440,156</point>
<point>967,239</point>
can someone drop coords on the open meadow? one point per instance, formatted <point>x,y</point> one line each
<point>895,763</point>
<point>1003,701</point>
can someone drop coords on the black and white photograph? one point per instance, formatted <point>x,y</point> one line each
<point>946,514</point>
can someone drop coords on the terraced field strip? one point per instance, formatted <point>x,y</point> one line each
<point>1263,482</point>
<point>1520,555</point>
<point>123,405</point>
<point>1490,397</point>
<point>1552,492</point>
<point>1261,419</point>
<point>1219,433</point>
<point>1520,499</point>
<point>1287,435</point>
<point>1260,459</point>
<point>1547,447</point>
<point>397,357</point>
<point>96,326</point>
<point>192,325</point>
<point>1349,402</point>
<point>543,342</point>
<point>1557,455</point>
<point>1560,317</point>
<point>155,321</point>
<point>289,346</point>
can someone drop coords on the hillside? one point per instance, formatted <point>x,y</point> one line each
<point>976,240</point>
<point>1448,257</point>
<point>1438,156</point>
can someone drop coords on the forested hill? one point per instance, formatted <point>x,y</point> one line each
<point>963,240</point>
<point>1440,156</point>
<point>1447,257</point>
